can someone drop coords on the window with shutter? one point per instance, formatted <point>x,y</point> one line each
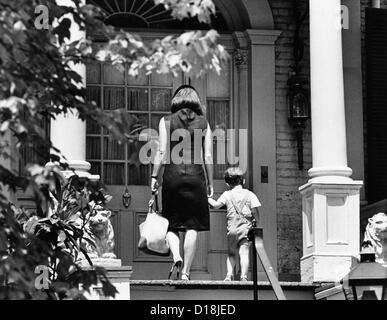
<point>376,107</point>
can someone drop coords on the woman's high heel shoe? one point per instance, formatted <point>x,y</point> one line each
<point>176,265</point>
<point>185,276</point>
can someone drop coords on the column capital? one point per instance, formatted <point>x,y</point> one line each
<point>262,37</point>
<point>240,39</point>
<point>241,57</point>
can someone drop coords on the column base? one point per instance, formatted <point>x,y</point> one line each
<point>79,167</point>
<point>325,267</point>
<point>332,175</point>
<point>120,278</point>
<point>331,229</point>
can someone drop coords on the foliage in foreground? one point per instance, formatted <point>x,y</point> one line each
<point>37,84</point>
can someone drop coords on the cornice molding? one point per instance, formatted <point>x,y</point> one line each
<point>262,37</point>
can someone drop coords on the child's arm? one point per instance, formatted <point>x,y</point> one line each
<point>215,204</point>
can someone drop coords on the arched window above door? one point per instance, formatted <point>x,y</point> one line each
<point>145,14</point>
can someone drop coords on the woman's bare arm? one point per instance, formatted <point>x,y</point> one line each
<point>160,157</point>
<point>208,160</point>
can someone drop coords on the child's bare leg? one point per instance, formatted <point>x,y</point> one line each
<point>244,251</point>
<point>231,261</point>
<point>232,257</point>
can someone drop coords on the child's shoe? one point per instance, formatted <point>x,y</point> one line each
<point>229,278</point>
<point>244,278</point>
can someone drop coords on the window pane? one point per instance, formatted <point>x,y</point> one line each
<point>114,173</point>
<point>93,94</point>
<point>35,153</point>
<point>155,121</point>
<point>93,73</point>
<point>141,121</point>
<point>114,98</point>
<point>219,165</point>
<point>218,86</point>
<point>140,80</point>
<point>161,99</point>
<point>92,127</point>
<point>164,80</point>
<point>218,113</point>
<point>93,148</point>
<point>112,150</point>
<point>95,168</point>
<point>111,75</point>
<point>138,175</point>
<point>137,99</point>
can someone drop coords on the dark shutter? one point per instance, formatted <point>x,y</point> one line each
<point>376,51</point>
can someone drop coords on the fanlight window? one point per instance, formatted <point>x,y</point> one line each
<point>145,14</point>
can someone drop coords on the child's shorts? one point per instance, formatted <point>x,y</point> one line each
<point>234,243</point>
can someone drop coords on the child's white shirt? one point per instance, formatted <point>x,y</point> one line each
<point>239,194</point>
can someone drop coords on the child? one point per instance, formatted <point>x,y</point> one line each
<point>242,206</point>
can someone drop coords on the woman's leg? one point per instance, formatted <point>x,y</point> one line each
<point>189,250</point>
<point>174,244</point>
<point>244,251</point>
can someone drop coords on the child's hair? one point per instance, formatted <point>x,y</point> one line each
<point>234,176</point>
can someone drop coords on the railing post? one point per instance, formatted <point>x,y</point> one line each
<point>256,234</point>
<point>255,262</point>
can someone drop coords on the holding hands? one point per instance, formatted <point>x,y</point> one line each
<point>155,185</point>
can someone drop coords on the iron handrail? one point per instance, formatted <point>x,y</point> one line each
<point>256,236</point>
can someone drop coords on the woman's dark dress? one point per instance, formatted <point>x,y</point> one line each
<point>184,192</point>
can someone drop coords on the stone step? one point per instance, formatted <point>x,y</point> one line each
<point>216,290</point>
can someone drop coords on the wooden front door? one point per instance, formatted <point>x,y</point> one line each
<point>148,99</point>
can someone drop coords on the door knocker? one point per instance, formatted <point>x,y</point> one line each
<point>126,198</point>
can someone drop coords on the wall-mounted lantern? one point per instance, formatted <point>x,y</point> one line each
<point>299,111</point>
<point>369,278</point>
<point>298,96</point>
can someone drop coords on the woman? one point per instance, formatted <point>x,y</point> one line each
<point>185,191</point>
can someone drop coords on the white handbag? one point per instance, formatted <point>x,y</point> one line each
<point>153,232</point>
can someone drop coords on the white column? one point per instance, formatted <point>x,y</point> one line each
<point>331,201</point>
<point>327,89</point>
<point>376,4</point>
<point>68,132</point>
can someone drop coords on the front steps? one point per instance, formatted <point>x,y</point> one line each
<point>216,290</point>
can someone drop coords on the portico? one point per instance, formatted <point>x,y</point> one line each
<point>331,198</point>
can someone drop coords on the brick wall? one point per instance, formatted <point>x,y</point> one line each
<point>289,177</point>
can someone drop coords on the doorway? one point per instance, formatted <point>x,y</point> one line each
<point>147,100</point>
